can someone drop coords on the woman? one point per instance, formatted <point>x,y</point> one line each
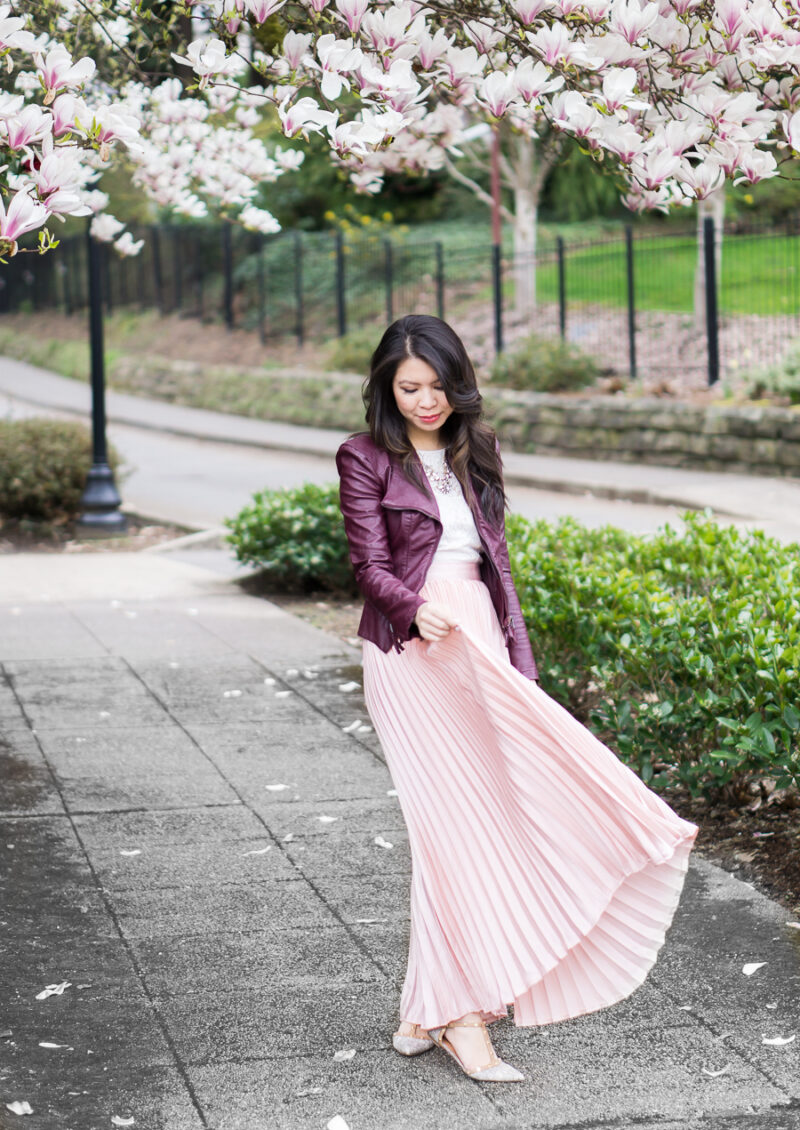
<point>544,872</point>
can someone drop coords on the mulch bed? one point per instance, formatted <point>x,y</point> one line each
<point>16,537</point>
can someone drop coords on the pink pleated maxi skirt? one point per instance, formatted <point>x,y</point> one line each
<point>545,873</point>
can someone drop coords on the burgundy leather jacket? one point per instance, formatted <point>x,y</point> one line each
<point>393,529</point>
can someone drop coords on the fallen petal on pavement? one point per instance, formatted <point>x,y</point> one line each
<point>25,1108</point>
<point>776,1041</point>
<point>341,1056</point>
<point>715,1074</point>
<point>276,788</point>
<point>258,851</point>
<point>53,990</point>
<point>346,688</point>
<point>751,967</point>
<point>381,842</point>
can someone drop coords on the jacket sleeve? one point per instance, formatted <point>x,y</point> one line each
<point>519,645</point>
<point>360,497</point>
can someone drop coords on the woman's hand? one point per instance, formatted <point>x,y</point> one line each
<point>434,620</point>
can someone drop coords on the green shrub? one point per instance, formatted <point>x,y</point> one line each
<point>782,380</point>
<point>353,352</point>
<point>544,365</point>
<point>681,651</point>
<point>296,537</point>
<point>43,468</point>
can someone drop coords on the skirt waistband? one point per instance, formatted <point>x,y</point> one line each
<point>454,571</point>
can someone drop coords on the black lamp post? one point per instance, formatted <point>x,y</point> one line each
<point>100,501</point>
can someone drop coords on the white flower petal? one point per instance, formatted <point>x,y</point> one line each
<point>47,1044</point>
<point>381,842</point>
<point>391,792</point>
<point>258,851</point>
<point>337,1123</point>
<point>269,681</point>
<point>751,967</point>
<point>364,729</point>
<point>327,819</point>
<point>276,788</point>
<point>26,1108</point>
<point>351,729</point>
<point>282,694</point>
<point>346,688</point>
<point>343,1055</point>
<point>292,673</point>
<point>53,990</point>
<point>776,1041</point>
<point>117,1121</point>
<point>287,839</point>
<point>132,851</point>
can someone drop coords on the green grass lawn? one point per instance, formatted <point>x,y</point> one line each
<point>759,274</point>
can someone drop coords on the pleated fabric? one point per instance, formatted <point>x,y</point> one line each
<point>545,873</point>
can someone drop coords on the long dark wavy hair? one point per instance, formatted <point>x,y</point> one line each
<point>471,449</point>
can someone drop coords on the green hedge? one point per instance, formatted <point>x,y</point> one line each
<point>296,537</point>
<point>43,467</point>
<point>681,651</point>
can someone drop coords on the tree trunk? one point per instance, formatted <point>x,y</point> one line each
<point>713,206</point>
<point>525,213</point>
<point>527,168</point>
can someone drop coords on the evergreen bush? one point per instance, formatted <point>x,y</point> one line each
<point>352,353</point>
<point>43,467</point>
<point>544,364</point>
<point>781,380</point>
<point>297,539</point>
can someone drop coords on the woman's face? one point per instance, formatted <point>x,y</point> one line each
<point>421,401</point>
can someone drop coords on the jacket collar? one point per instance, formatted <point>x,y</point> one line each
<point>403,495</point>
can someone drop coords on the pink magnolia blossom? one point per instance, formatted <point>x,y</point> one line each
<point>261,10</point>
<point>496,92</point>
<point>24,214</point>
<point>28,127</point>
<point>12,35</point>
<point>126,245</point>
<point>295,48</point>
<point>632,18</point>
<point>304,115</point>
<point>58,72</point>
<point>528,10</point>
<point>353,12</point>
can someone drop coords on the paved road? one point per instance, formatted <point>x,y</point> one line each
<point>200,482</point>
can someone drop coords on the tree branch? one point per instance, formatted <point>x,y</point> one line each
<point>474,187</point>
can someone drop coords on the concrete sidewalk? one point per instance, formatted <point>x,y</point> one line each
<point>773,502</point>
<point>188,842</point>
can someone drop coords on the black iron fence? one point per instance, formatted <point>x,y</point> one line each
<point>642,304</point>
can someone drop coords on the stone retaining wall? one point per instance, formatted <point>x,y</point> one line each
<point>746,438</point>
<point>750,438</point>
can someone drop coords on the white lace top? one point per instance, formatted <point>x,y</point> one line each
<point>459,540</point>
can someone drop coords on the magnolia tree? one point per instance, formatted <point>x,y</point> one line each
<point>676,96</point>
